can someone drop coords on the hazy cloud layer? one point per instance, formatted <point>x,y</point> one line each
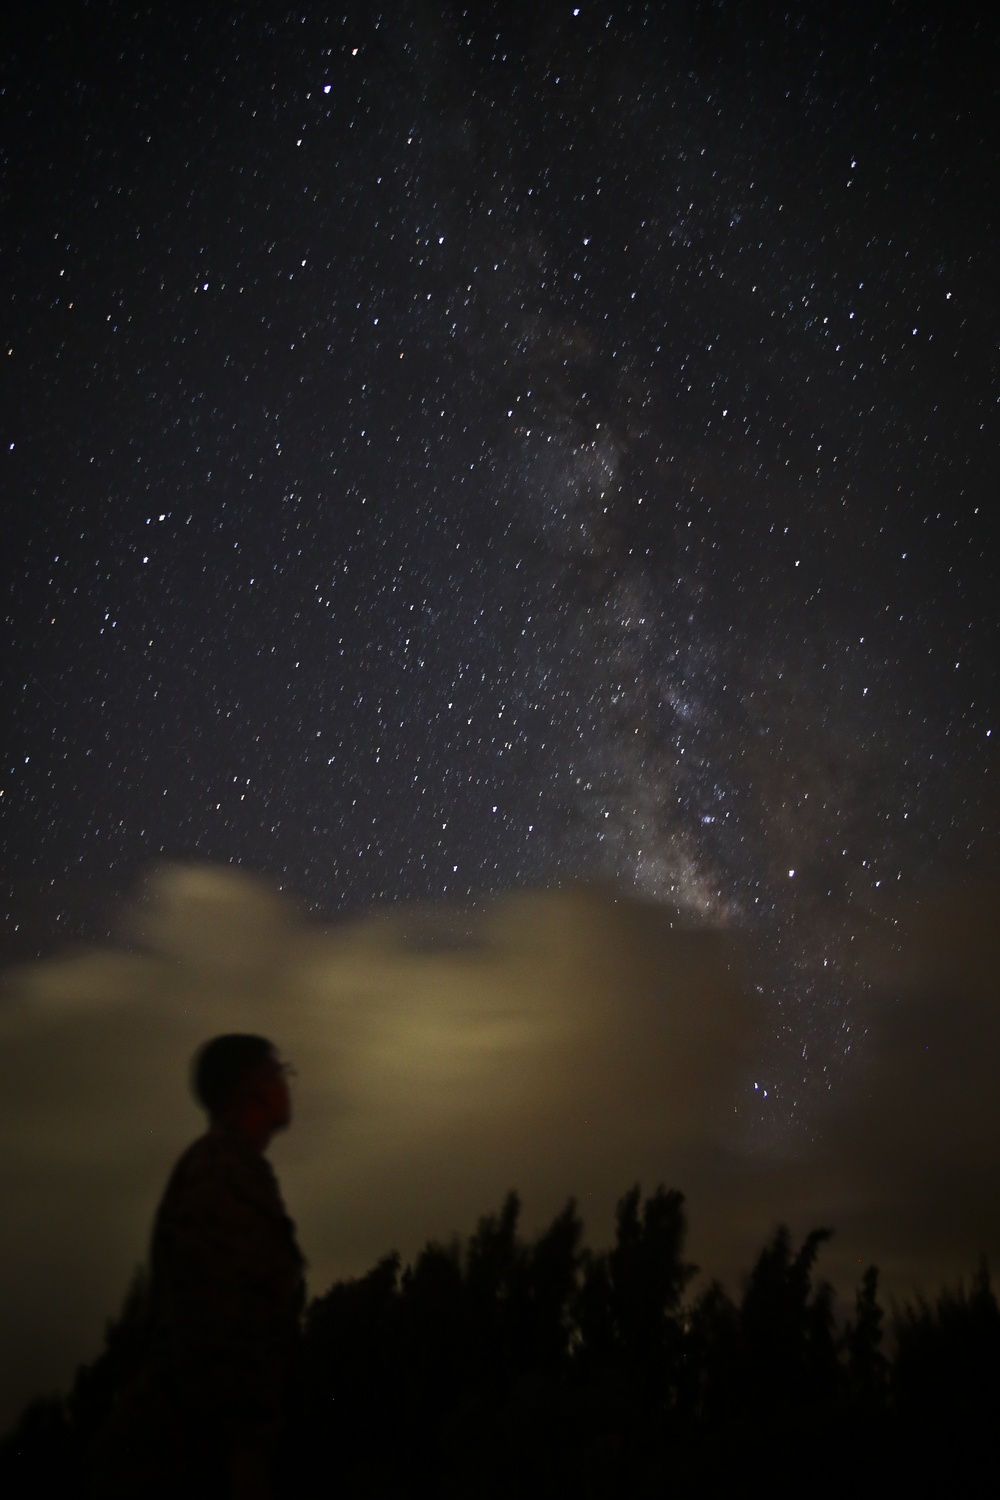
<point>911,1158</point>
<point>560,1043</point>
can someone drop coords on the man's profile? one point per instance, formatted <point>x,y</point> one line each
<point>226,1294</point>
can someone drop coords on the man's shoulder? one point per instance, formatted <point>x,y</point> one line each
<point>223,1190</point>
<point>221,1157</point>
<point>219,1143</point>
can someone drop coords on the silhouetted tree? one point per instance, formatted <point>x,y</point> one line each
<point>947,1362</point>
<point>126,1340</point>
<point>40,1457</point>
<point>787,1329</point>
<point>495,1283</point>
<point>714,1372</point>
<point>945,1389</point>
<point>342,1385</point>
<point>47,1452</point>
<point>552,1282</point>
<point>631,1335</point>
<point>867,1367</point>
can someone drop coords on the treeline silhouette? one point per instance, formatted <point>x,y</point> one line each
<point>504,1366</point>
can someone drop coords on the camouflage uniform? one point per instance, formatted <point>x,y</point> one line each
<point>226,1295</point>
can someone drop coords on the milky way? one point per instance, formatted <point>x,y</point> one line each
<point>445,451</point>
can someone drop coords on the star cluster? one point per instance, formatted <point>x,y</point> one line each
<point>446,449</point>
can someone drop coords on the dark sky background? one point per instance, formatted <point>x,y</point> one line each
<point>448,450</point>
<point>455,451</point>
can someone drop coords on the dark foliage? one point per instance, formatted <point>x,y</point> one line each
<point>867,1367</point>
<point>41,1456</point>
<point>629,1298</point>
<point>946,1381</point>
<point>540,1368</point>
<point>46,1453</point>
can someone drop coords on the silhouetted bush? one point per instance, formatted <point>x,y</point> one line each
<point>46,1452</point>
<point>867,1368</point>
<point>948,1354</point>
<point>540,1368</point>
<point>945,1382</point>
<point>41,1457</point>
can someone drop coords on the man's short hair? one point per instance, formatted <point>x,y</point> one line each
<point>223,1065</point>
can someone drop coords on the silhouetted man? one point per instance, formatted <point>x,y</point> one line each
<point>226,1295</point>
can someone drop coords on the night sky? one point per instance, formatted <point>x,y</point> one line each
<point>447,450</point>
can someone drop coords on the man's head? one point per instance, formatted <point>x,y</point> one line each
<point>240,1078</point>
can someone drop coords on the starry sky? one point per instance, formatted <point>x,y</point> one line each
<point>454,449</point>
